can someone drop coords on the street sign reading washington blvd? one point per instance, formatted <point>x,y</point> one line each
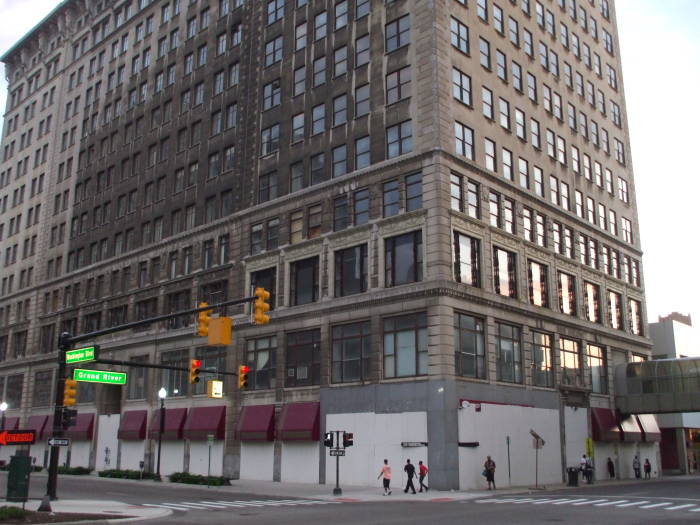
<point>99,376</point>
<point>17,437</point>
<point>81,355</point>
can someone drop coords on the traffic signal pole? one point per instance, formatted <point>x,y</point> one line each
<point>337,491</point>
<point>64,344</point>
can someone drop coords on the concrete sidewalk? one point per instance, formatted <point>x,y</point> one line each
<point>110,510</point>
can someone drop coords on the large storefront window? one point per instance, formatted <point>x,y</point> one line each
<point>469,346</point>
<point>597,363</point>
<point>262,358</point>
<point>406,345</point>
<point>351,352</point>
<point>570,355</point>
<point>303,358</point>
<point>542,360</point>
<point>508,353</point>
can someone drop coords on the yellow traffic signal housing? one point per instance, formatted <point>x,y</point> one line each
<point>220,331</point>
<point>70,392</point>
<point>195,365</point>
<point>203,320</point>
<point>261,306</point>
<point>243,377</point>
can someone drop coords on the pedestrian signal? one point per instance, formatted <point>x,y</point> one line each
<point>195,365</point>
<point>328,439</point>
<point>243,377</point>
<point>261,306</point>
<point>347,439</point>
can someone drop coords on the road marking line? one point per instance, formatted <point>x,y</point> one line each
<point>589,502</point>
<point>543,501</point>
<point>199,507</point>
<point>653,505</point>
<point>209,505</point>
<point>694,510</point>
<point>171,507</point>
<point>562,502</point>
<point>526,500</point>
<point>681,506</point>
<point>633,503</point>
<point>615,502</point>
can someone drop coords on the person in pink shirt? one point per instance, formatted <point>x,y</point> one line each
<point>385,472</point>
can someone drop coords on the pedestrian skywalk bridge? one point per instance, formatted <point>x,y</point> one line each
<point>638,503</point>
<point>223,504</point>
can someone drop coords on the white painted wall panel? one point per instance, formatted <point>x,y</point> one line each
<point>80,453</point>
<point>107,442</point>
<point>576,430</point>
<point>257,460</point>
<point>172,457</point>
<point>132,452</point>
<point>300,461</point>
<point>199,457</point>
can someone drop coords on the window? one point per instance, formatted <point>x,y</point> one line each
<point>399,139</point>
<point>362,158</point>
<point>340,61</point>
<point>273,51</point>
<point>138,379</point>
<point>351,352</point>
<point>542,360</point>
<point>299,80</point>
<point>487,102</point>
<point>175,381</point>
<point>303,281</point>
<point>414,192</point>
<point>266,279</point>
<point>351,271</point>
<point>509,358</point>
<point>504,273</point>
<point>398,85</point>
<point>615,310</point>
<point>403,259</point>
<point>627,235</point>
<point>360,207</point>
<point>318,119</point>
<point>482,10</point>
<point>275,11</point>
<point>261,358</point>
<point>570,356</point>
<point>485,53</point>
<point>270,139</point>
<point>464,141</point>
<point>390,198</point>
<point>460,35</point>
<point>467,259</point>
<point>319,71</point>
<point>406,345</point>
<point>634,314</point>
<point>362,8</point>
<point>597,364</point>
<point>501,66</point>
<point>591,300</point>
<point>303,358</point>
<point>397,33</point>
<point>272,94</point>
<point>537,283</point>
<point>320,25</point>
<point>362,51</point>
<point>462,87</point>
<point>469,346</point>
<point>341,14</point>
<point>567,293</point>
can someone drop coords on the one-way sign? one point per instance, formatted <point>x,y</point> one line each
<point>58,442</point>
<point>337,452</point>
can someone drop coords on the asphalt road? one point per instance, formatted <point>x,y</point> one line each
<point>672,501</point>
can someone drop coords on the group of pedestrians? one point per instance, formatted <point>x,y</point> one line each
<point>410,470</point>
<point>637,468</point>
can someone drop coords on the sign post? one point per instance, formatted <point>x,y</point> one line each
<point>210,442</point>
<point>537,444</point>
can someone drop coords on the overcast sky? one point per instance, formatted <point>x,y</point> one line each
<point>661,71</point>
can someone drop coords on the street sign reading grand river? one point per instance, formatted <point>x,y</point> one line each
<point>99,376</point>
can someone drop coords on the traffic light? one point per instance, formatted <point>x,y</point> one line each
<point>68,417</point>
<point>261,306</point>
<point>328,439</point>
<point>195,365</point>
<point>243,377</point>
<point>203,320</point>
<point>70,391</point>
<point>347,439</point>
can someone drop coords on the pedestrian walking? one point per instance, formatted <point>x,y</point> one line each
<point>385,473</point>
<point>637,467</point>
<point>586,468</point>
<point>490,472</point>
<point>611,469</point>
<point>647,469</point>
<point>422,473</point>
<point>410,471</point>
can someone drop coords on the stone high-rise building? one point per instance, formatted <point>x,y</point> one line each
<point>438,194</point>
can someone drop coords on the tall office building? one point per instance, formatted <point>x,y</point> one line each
<point>439,196</point>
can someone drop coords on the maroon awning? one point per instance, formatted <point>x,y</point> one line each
<point>11,423</point>
<point>83,428</point>
<point>631,431</point>
<point>132,425</point>
<point>605,425</point>
<point>257,423</point>
<point>203,421</point>
<point>650,428</point>
<point>174,423</point>
<point>299,422</point>
<point>48,428</point>
<point>37,424</point>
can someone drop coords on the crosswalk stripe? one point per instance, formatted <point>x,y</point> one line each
<point>632,504</point>
<point>543,501</point>
<point>615,502</point>
<point>589,502</point>
<point>694,510</point>
<point>171,507</point>
<point>654,505</point>
<point>562,502</point>
<point>183,506</point>
<point>526,500</point>
<point>211,505</point>
<point>681,506</point>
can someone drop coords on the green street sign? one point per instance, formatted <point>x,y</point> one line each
<point>81,355</point>
<point>99,376</point>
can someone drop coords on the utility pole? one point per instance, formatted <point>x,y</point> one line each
<point>63,345</point>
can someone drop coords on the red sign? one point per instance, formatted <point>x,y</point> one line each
<point>17,437</point>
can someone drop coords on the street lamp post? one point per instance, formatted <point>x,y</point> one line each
<point>3,407</point>
<point>162,393</point>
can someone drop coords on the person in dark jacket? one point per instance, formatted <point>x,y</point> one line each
<point>490,471</point>
<point>611,469</point>
<point>410,471</point>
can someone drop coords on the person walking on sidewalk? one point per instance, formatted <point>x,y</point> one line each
<point>490,472</point>
<point>637,467</point>
<point>647,469</point>
<point>385,472</point>
<point>422,473</point>
<point>410,471</point>
<point>611,468</point>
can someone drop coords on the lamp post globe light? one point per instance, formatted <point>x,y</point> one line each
<point>162,394</point>
<point>3,407</point>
